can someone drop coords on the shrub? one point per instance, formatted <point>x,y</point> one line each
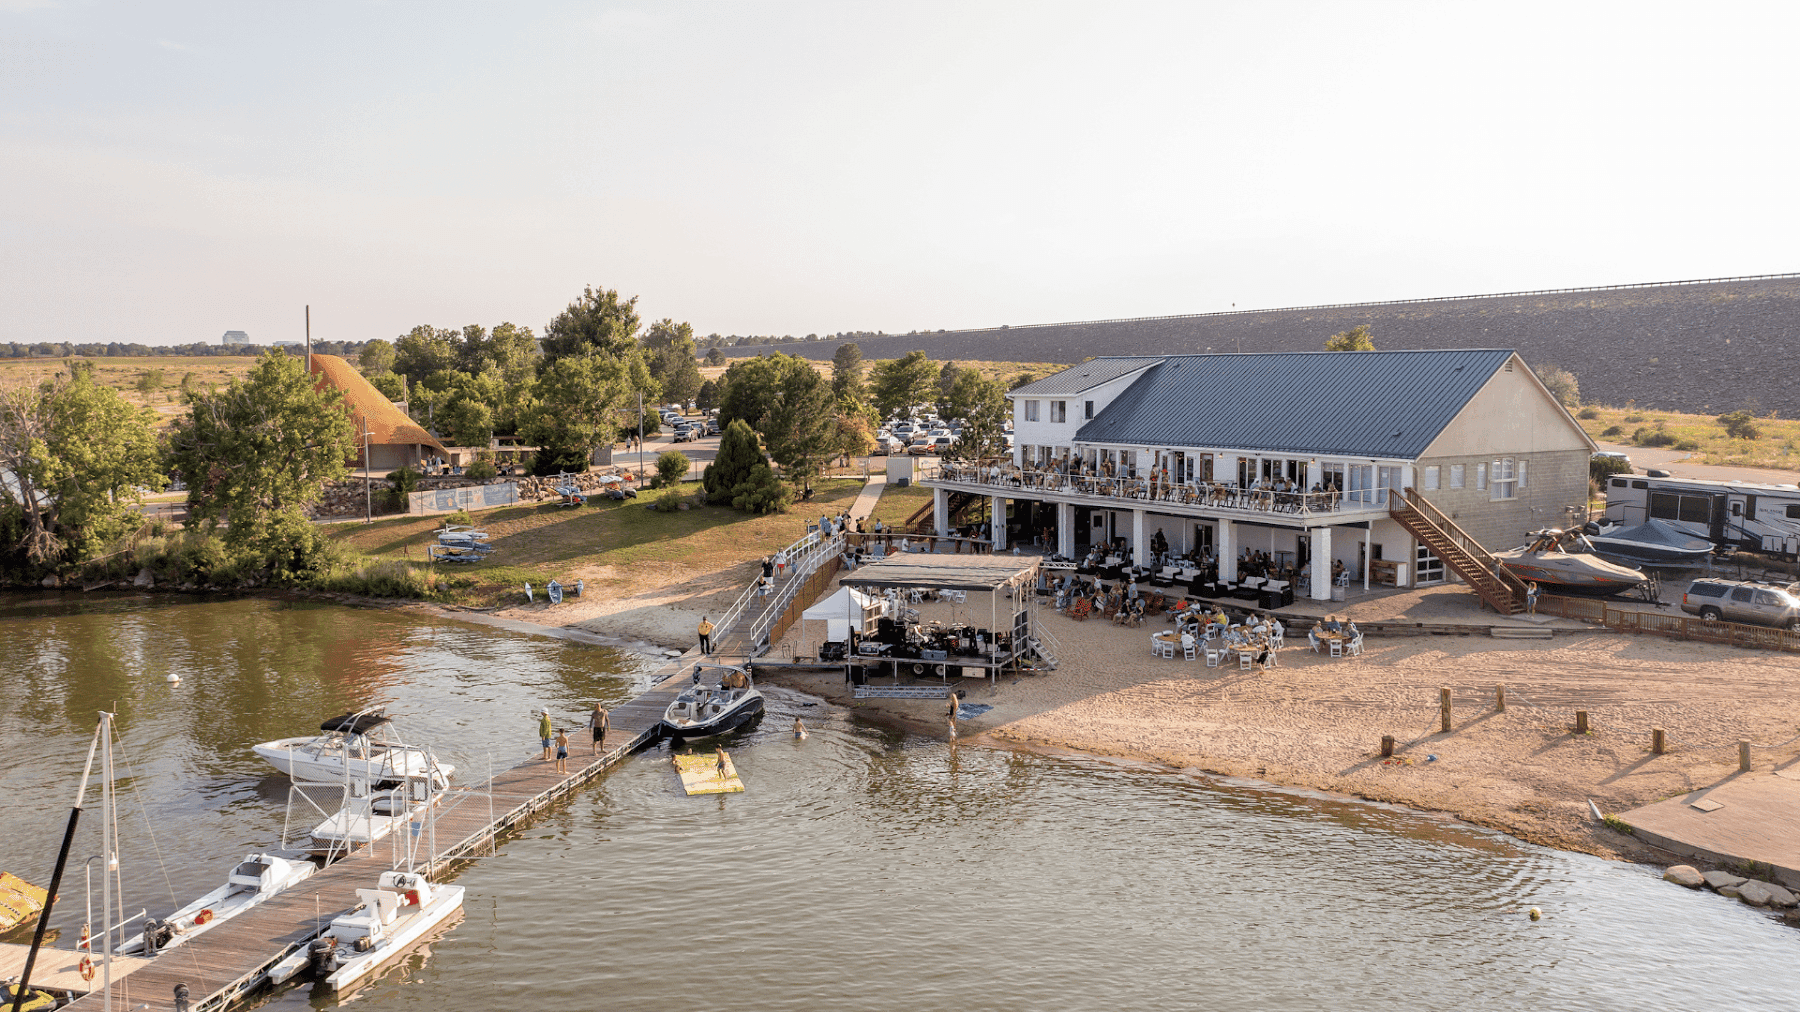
<point>1633,418</point>
<point>460,517</point>
<point>672,466</point>
<point>1588,414</point>
<point>1740,425</point>
<point>551,461</point>
<point>739,455</point>
<point>1689,445</point>
<point>1611,431</point>
<point>1601,468</point>
<point>761,492</point>
<point>1652,437</point>
<point>481,470</point>
<point>669,501</point>
<point>401,483</point>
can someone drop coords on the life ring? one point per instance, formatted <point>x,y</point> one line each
<point>86,968</point>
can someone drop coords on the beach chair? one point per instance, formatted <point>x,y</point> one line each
<point>1187,646</point>
<point>1215,655</point>
<point>1082,608</point>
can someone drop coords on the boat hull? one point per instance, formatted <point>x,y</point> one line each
<point>1557,581</point>
<point>745,712</point>
<point>289,755</point>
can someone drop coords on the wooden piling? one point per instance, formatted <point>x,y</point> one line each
<point>1656,741</point>
<point>1500,698</point>
<point>1581,724</point>
<point>1444,709</point>
<point>1387,746</point>
<point>1743,757</point>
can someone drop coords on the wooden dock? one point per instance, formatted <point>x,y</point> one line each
<point>229,962</point>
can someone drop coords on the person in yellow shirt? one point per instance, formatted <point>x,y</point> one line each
<point>706,631</point>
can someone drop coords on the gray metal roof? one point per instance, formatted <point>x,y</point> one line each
<point>1085,376</point>
<point>957,572</point>
<point>1348,403</point>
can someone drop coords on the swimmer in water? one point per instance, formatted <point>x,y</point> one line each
<point>799,728</point>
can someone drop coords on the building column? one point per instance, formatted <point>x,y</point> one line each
<point>940,511</point>
<point>1321,564</point>
<point>1065,529</point>
<point>1140,542</point>
<point>1227,546</point>
<point>997,522</point>
<point>1368,552</point>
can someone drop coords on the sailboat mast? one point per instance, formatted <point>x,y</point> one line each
<point>108,828</point>
<point>62,862</point>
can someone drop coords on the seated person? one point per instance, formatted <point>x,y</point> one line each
<point>1313,634</point>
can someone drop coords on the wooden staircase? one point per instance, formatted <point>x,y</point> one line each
<point>1502,591</point>
<point>921,521</point>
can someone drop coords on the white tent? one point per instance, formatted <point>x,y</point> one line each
<point>831,620</point>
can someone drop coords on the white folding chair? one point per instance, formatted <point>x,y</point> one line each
<point>1166,648</point>
<point>1214,655</point>
<point>1155,645</point>
<point>1187,645</point>
<point>1271,659</point>
<point>1312,640</point>
<point>1246,659</point>
<point>1356,646</point>
<point>1337,648</point>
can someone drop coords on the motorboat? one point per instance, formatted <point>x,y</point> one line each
<point>354,746</point>
<point>369,814</point>
<point>398,912</point>
<point>257,878</point>
<point>702,710</point>
<point>1651,543</point>
<point>1562,562</point>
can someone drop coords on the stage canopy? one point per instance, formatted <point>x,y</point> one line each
<point>950,572</point>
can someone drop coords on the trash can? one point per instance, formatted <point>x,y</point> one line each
<point>1337,593</point>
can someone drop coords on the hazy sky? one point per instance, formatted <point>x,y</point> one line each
<point>171,171</point>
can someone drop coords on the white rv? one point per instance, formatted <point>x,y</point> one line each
<point>1733,514</point>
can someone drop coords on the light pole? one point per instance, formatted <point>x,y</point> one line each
<point>640,454</point>
<point>368,497</point>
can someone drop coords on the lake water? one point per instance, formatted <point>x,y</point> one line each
<point>864,868</point>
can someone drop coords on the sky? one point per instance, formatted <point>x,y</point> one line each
<point>170,171</point>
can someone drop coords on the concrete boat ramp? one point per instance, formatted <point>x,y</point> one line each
<point>1751,820</point>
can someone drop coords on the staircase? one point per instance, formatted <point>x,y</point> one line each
<point>921,521</point>
<point>1502,591</point>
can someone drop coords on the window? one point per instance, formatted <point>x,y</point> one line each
<point>1481,476</point>
<point>1059,411</point>
<point>1707,590</point>
<point>1619,483</point>
<point>1741,594</point>
<point>1087,410</point>
<point>1456,476</point>
<point>1521,474</point>
<point>1640,484</point>
<point>1693,509</point>
<point>1793,512</point>
<point>1031,411</point>
<point>1505,479</point>
<point>1431,478</point>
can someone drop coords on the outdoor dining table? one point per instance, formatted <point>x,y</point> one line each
<point>1171,638</point>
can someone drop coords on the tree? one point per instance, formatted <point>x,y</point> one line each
<point>707,397</point>
<point>789,404</point>
<point>257,453</point>
<point>714,356</point>
<point>78,458</point>
<point>983,407</point>
<point>739,453</point>
<point>851,433</point>
<point>669,349</point>
<point>847,372</point>
<point>1740,425</point>
<point>424,350</point>
<point>597,322</point>
<point>1357,338</point>
<point>466,421</point>
<point>377,357</point>
<point>392,385</point>
<point>898,384</point>
<point>946,382</point>
<point>1021,379</point>
<point>579,403</point>
<point>1561,383</point>
<point>672,466</point>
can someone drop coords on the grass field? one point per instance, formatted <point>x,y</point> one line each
<point>1778,445</point>
<point>539,542</point>
<point>154,382</point>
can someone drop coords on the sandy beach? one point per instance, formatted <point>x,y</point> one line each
<point>663,608</point>
<point>1317,722</point>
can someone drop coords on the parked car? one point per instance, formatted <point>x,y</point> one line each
<point>712,426</point>
<point>931,445</point>
<point>1738,601</point>
<point>686,434</point>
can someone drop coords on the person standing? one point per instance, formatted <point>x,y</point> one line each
<point>719,761</point>
<point>768,567</point>
<point>1531,598</point>
<point>545,732</point>
<point>562,751</point>
<point>781,561</point>
<point>706,631</point>
<point>599,723</point>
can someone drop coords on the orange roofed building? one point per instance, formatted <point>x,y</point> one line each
<point>394,439</point>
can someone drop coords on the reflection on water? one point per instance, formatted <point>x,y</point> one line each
<point>864,868</point>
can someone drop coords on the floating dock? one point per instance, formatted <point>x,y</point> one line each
<point>230,962</point>
<point>700,774</point>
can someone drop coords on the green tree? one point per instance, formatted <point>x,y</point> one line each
<point>391,384</point>
<point>707,397</point>
<point>466,421</point>
<point>672,466</point>
<point>714,356</point>
<point>377,357</point>
<point>852,435</point>
<point>981,404</point>
<point>946,383</point>
<point>77,458</point>
<point>424,350</point>
<point>739,454</point>
<point>1740,425</point>
<point>669,351</point>
<point>789,404</point>
<point>897,385</point>
<point>579,404</point>
<point>1561,383</point>
<point>597,322</point>
<point>257,453</point>
<point>847,372</point>
<point>1357,338</point>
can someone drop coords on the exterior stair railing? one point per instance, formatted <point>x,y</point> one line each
<point>1502,591</point>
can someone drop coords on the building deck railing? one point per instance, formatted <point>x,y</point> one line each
<point>1197,495</point>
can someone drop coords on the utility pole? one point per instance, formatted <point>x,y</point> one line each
<point>368,497</point>
<point>309,340</point>
<point>640,394</point>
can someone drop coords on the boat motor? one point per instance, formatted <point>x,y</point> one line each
<point>322,956</point>
<point>157,933</point>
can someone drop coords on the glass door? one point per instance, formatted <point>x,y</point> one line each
<point>1427,568</point>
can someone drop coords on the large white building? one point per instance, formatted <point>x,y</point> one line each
<point>1299,455</point>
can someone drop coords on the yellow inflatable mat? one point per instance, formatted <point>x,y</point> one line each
<point>700,774</point>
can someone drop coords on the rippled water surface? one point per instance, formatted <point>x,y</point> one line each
<point>864,868</point>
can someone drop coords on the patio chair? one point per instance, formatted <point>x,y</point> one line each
<point>1214,655</point>
<point>1312,640</point>
<point>1155,645</point>
<point>1246,660</point>
<point>1271,660</point>
<point>1187,645</point>
<point>1337,648</point>
<point>1166,649</point>
<point>1356,646</point>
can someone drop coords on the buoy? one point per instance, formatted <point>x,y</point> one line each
<point>1536,914</point>
<point>173,678</point>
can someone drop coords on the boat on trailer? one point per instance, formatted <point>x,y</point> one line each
<point>1652,543</point>
<point>257,878</point>
<point>1562,562</point>
<point>703,710</point>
